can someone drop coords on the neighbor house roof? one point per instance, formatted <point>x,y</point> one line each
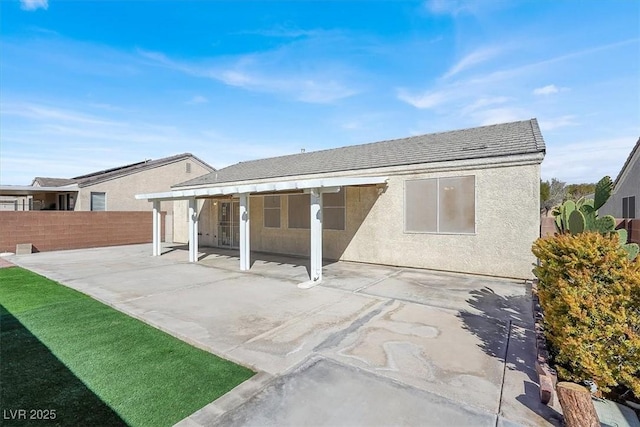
<point>51,182</point>
<point>107,174</point>
<point>627,163</point>
<point>521,137</point>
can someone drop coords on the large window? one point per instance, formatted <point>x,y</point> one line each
<point>333,210</point>
<point>629,207</point>
<point>440,205</point>
<point>98,201</point>
<point>299,211</point>
<point>272,211</point>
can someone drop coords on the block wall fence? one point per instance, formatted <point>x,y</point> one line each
<point>631,225</point>
<point>59,230</point>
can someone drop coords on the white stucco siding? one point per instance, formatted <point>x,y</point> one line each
<point>507,223</point>
<point>629,185</point>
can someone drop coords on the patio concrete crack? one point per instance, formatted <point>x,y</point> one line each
<point>504,372</point>
<point>336,338</point>
<point>388,276</point>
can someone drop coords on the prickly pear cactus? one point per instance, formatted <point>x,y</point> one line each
<point>603,192</point>
<point>632,250</point>
<point>576,222</point>
<point>606,224</point>
<point>623,236</point>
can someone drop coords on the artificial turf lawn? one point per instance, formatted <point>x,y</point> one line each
<point>62,350</point>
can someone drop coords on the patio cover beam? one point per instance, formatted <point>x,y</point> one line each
<point>193,230</point>
<point>265,187</point>
<point>245,233</point>
<point>157,227</point>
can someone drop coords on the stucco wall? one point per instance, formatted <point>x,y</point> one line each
<point>120,192</point>
<point>507,223</point>
<point>629,186</point>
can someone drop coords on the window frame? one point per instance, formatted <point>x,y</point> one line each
<point>104,194</point>
<point>628,202</point>
<point>289,196</point>
<point>265,208</point>
<point>437,201</point>
<point>343,190</point>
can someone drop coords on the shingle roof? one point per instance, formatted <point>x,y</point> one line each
<point>52,182</point>
<point>107,174</point>
<point>488,141</point>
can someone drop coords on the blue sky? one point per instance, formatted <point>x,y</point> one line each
<point>87,85</point>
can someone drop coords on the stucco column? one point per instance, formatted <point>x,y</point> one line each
<point>245,233</point>
<point>157,227</point>
<point>193,230</point>
<point>316,235</point>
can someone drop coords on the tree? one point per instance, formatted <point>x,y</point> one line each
<point>576,191</point>
<point>551,194</point>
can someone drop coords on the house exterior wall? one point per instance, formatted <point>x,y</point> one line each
<point>121,191</point>
<point>507,223</point>
<point>629,185</point>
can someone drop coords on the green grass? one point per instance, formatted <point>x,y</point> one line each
<point>62,350</point>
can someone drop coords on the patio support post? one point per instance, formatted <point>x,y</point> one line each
<point>245,233</point>
<point>157,227</point>
<point>316,235</point>
<point>193,230</point>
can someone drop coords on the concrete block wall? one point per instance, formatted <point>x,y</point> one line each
<point>59,230</point>
<point>632,226</point>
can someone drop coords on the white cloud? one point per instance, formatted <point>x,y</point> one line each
<point>474,58</point>
<point>546,90</point>
<point>485,102</point>
<point>494,116</point>
<point>587,160</point>
<point>317,83</point>
<point>558,122</point>
<point>198,99</point>
<point>429,99</point>
<point>34,4</point>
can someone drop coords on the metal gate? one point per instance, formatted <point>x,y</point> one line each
<point>229,224</point>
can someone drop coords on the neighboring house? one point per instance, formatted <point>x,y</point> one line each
<point>624,199</point>
<point>111,189</point>
<point>463,201</point>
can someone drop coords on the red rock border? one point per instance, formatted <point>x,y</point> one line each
<point>547,376</point>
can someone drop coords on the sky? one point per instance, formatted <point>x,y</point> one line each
<point>89,85</point>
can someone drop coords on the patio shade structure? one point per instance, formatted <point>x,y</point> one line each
<point>314,187</point>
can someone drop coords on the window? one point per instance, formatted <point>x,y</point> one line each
<point>333,210</point>
<point>272,211</point>
<point>440,205</point>
<point>188,167</point>
<point>629,207</point>
<point>299,211</point>
<point>98,201</point>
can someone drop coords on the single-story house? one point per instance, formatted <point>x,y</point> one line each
<point>463,201</point>
<point>112,189</point>
<point>626,189</point>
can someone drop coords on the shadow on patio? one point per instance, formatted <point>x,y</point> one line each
<point>504,328</point>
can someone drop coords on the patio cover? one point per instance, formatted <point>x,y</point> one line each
<point>315,187</point>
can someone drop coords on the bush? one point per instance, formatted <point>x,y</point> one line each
<point>590,295</point>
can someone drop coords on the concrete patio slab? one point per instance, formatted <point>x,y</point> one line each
<point>327,393</point>
<point>429,340</point>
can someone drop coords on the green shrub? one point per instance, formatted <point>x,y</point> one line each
<point>590,294</point>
